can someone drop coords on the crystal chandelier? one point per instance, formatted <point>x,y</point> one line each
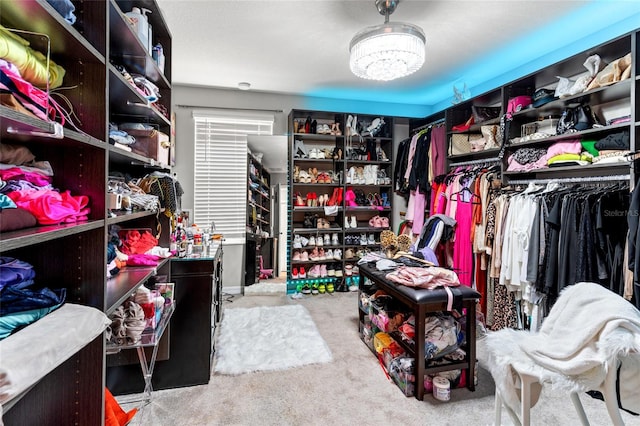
<point>388,51</point>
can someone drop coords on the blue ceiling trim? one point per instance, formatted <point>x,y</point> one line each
<point>593,24</point>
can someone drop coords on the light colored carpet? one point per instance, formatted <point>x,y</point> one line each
<point>266,288</point>
<point>267,338</point>
<point>348,391</point>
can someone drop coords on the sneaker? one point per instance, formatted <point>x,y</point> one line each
<point>323,271</point>
<point>353,285</point>
<point>314,272</point>
<point>321,254</point>
<point>321,288</point>
<point>314,289</point>
<point>304,256</point>
<point>328,255</point>
<point>354,223</point>
<point>334,239</point>
<point>331,270</point>
<point>297,242</point>
<point>363,239</point>
<point>302,273</point>
<point>339,273</point>
<point>319,241</point>
<point>296,255</point>
<point>294,273</point>
<point>348,254</point>
<point>327,240</point>
<point>312,241</point>
<point>306,289</point>
<point>314,255</point>
<point>372,239</point>
<point>346,222</point>
<point>304,241</point>
<point>337,254</point>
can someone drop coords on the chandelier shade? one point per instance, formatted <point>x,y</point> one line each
<point>388,51</point>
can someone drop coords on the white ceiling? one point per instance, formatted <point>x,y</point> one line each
<point>301,47</point>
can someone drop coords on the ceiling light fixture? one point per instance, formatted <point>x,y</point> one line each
<point>388,51</point>
<point>244,85</point>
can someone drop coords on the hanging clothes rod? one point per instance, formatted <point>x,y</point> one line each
<point>424,126</point>
<point>571,179</point>
<point>495,160</point>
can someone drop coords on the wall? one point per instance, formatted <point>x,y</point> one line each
<point>189,98</point>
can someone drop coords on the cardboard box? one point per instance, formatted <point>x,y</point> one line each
<point>151,144</point>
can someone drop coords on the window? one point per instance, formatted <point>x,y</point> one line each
<point>220,168</point>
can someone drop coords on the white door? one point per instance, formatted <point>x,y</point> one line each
<point>283,230</point>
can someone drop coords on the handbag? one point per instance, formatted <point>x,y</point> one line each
<point>574,119</point>
<point>461,143</point>
<point>484,113</point>
<point>489,134</point>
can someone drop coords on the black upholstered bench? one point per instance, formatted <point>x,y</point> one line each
<point>423,302</point>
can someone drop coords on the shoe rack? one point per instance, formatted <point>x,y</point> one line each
<point>340,168</point>
<point>258,216</point>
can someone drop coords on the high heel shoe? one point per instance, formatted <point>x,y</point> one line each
<point>333,201</point>
<point>299,202</point>
<point>307,125</point>
<point>296,174</point>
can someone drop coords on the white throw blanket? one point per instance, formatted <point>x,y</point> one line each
<point>587,328</point>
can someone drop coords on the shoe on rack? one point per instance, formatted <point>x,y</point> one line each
<point>314,289</point>
<point>328,255</point>
<point>330,287</point>
<point>322,288</point>
<point>354,223</point>
<point>371,239</point>
<point>314,272</point>
<point>304,256</point>
<point>304,240</point>
<point>323,271</point>
<point>299,202</point>
<point>319,241</point>
<point>327,240</point>
<point>346,222</point>
<point>306,289</point>
<point>334,239</point>
<point>321,254</point>
<point>353,286</point>
<point>350,198</point>
<point>337,254</point>
<point>348,253</point>
<point>312,241</point>
<point>331,270</point>
<point>296,255</point>
<point>313,256</point>
<point>302,273</point>
<point>294,273</point>
<point>363,239</point>
<point>297,242</point>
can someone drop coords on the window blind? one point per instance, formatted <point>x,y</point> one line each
<point>220,169</point>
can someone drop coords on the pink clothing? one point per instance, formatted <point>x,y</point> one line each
<point>412,153</point>
<point>438,151</point>
<point>17,173</point>
<point>51,207</point>
<point>419,205</point>
<point>462,253</point>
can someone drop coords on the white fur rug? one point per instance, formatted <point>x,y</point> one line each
<point>268,338</point>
